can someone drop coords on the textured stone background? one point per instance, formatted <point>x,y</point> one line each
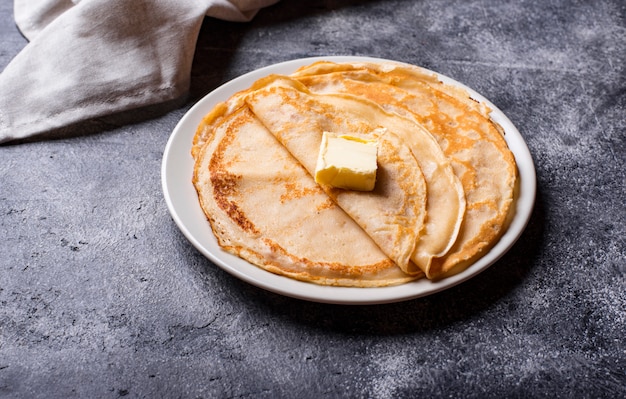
<point>102,296</point>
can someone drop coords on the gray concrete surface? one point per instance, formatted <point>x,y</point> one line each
<point>101,296</point>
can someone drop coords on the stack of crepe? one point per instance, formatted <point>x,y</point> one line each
<point>444,190</point>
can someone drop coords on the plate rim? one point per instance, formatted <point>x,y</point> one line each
<point>177,157</point>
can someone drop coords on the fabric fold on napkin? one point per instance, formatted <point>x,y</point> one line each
<point>91,58</point>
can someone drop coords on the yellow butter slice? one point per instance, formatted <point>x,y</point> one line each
<point>347,162</point>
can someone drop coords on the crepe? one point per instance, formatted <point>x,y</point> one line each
<point>463,129</point>
<point>298,118</point>
<point>394,212</point>
<point>443,198</point>
<point>264,207</point>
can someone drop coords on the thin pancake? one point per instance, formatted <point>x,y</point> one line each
<point>463,129</point>
<point>298,118</point>
<point>265,208</point>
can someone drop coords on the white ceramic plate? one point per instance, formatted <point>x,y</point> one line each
<point>182,201</point>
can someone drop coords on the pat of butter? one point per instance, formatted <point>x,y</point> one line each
<point>347,162</point>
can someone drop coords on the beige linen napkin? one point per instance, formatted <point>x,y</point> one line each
<point>90,58</point>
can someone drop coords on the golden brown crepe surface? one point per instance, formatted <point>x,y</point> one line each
<point>462,127</point>
<point>279,105</point>
<point>237,161</point>
<point>264,207</point>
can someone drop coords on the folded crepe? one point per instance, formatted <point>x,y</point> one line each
<point>298,118</point>
<point>443,197</point>
<point>465,132</point>
<point>266,208</point>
